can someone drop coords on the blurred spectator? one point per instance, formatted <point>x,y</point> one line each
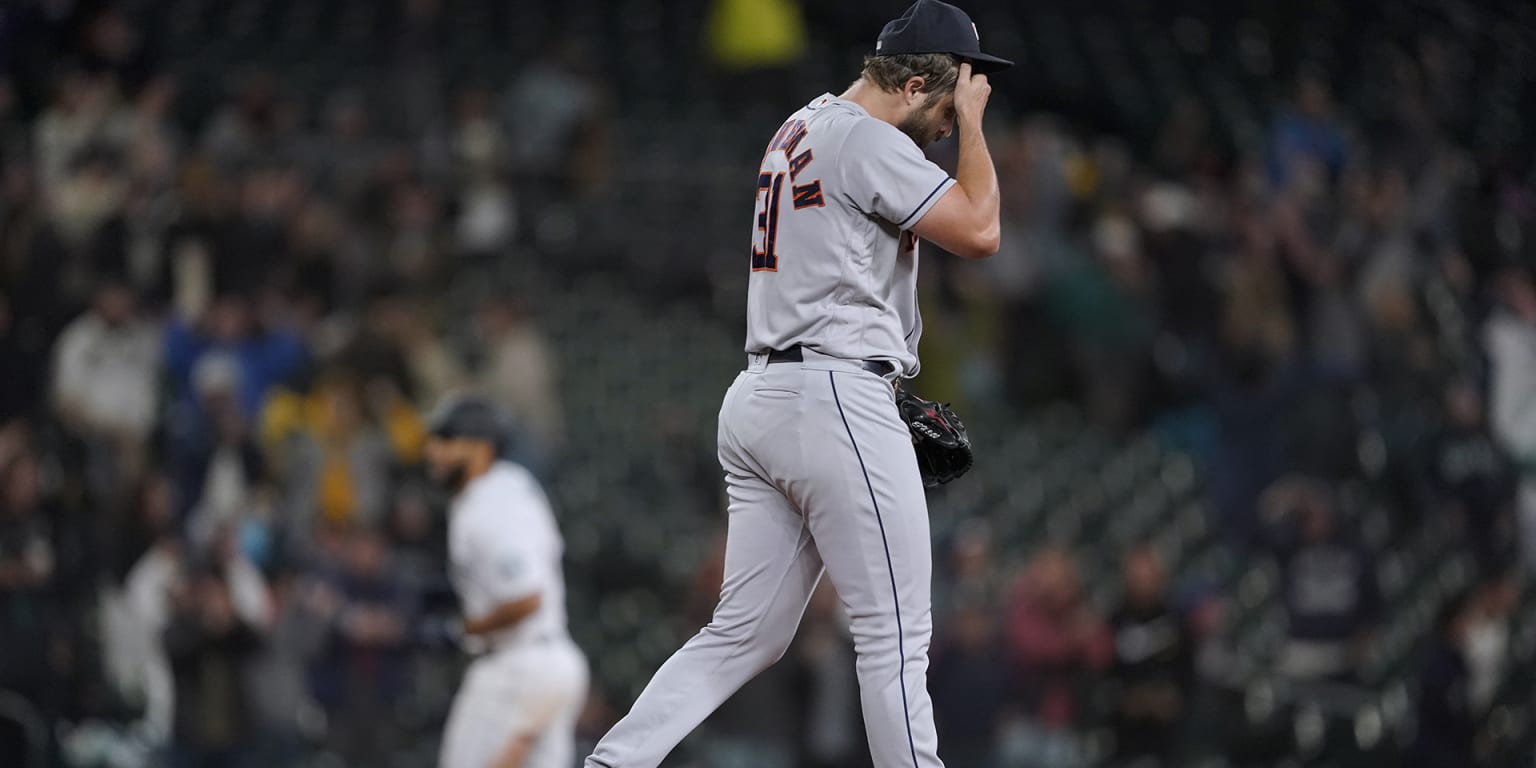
<point>114,47</point>
<point>1153,671</point>
<point>683,469</point>
<point>27,577</point>
<point>553,114</point>
<point>336,461</point>
<point>1034,168</point>
<point>832,733</point>
<point>972,576</point>
<point>1469,476</point>
<point>417,81</point>
<point>969,696</point>
<point>106,381</point>
<point>135,650</point>
<point>1105,303</point>
<point>145,565</point>
<point>1055,647</point>
<point>487,219</point>
<point>260,123</point>
<point>1510,335</point>
<point>1185,138</point>
<point>376,352</point>
<point>746,35</point>
<point>1407,370</point>
<point>312,279</point>
<point>756,43</point>
<point>257,241</point>
<point>1219,674</point>
<point>1307,132</point>
<point>83,238</point>
<point>226,350</point>
<point>1328,584</point>
<point>1254,380</point>
<point>217,464</point>
<point>361,671</point>
<point>19,395</point>
<point>519,371</point>
<point>76,117</point>
<point>413,240</point>
<point>1488,652</point>
<point>193,254</point>
<point>150,139</point>
<point>247,585</point>
<point>473,143</point>
<point>1446,722</point>
<point>436,369</point>
<point>209,642</point>
<point>418,539</point>
<point>283,714</point>
<point>145,519</point>
<point>344,159</point>
<point>1461,671</point>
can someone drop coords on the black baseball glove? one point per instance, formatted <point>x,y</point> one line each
<point>938,437</point>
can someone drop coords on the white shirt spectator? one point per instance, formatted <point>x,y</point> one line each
<point>520,374</point>
<point>1511,344</point>
<point>106,375</point>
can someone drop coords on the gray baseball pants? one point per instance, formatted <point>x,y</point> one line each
<point>821,477</point>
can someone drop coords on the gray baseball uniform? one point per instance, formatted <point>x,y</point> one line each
<point>818,464</point>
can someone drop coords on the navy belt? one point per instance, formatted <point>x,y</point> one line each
<point>794,355</point>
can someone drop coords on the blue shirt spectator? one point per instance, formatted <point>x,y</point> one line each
<point>1307,131</point>
<point>226,352</point>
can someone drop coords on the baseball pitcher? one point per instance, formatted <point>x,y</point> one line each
<point>825,458</point>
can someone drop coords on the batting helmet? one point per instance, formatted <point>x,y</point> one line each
<point>472,418</point>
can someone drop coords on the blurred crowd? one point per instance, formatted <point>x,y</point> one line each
<point>216,344</point>
<point>220,323</point>
<point>1338,312</point>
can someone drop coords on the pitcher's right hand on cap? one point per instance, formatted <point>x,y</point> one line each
<point>971,93</point>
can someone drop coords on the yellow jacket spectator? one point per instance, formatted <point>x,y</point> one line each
<point>755,34</point>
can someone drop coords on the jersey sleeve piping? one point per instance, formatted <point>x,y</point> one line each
<point>927,203</point>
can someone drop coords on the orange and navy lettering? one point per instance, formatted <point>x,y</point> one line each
<point>777,137</point>
<point>770,185</point>
<point>789,137</point>
<point>808,195</point>
<point>799,162</point>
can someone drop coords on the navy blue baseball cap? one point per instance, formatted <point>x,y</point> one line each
<point>930,26</point>
<point>470,418</point>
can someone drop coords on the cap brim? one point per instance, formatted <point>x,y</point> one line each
<point>982,63</point>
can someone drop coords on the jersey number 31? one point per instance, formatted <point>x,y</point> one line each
<point>766,258</point>
<point>770,184</point>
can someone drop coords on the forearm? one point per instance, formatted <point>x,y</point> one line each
<point>503,616</point>
<point>977,176</point>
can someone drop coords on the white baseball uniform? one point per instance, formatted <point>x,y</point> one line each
<point>504,545</point>
<point>819,465</point>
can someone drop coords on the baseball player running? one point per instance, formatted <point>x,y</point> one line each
<point>520,698</point>
<point>819,462</point>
